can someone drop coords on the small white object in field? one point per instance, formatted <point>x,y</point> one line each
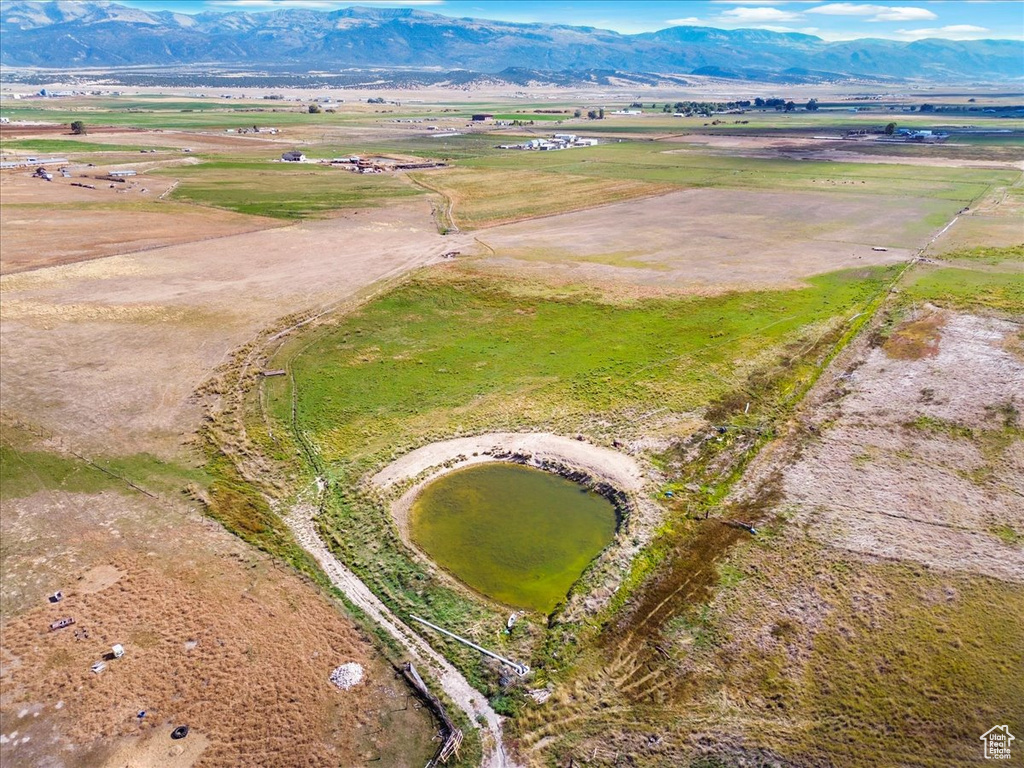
<point>347,675</point>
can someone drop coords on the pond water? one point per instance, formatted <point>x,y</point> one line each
<point>516,534</point>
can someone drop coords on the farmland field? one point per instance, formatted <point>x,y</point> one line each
<point>787,359</point>
<point>535,183</point>
<point>281,190</point>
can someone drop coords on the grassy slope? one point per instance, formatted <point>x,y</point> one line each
<point>281,190</point>
<point>450,346</point>
<point>449,352</point>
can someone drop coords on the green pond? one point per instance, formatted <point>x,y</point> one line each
<point>518,535</point>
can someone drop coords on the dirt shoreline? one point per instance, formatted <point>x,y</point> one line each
<point>609,464</point>
<point>543,449</point>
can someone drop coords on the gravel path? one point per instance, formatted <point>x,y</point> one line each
<point>467,698</point>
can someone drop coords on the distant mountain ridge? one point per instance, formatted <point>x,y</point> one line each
<point>63,34</point>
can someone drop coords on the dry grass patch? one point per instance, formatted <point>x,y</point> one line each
<point>485,197</point>
<point>243,657</point>
<point>923,456</point>
<point>917,338</point>
<point>78,224</point>
<point>711,239</point>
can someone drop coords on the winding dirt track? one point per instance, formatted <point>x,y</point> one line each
<point>467,698</point>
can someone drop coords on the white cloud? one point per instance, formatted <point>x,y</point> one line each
<point>755,15</point>
<point>876,12</point>
<point>950,32</point>
<point>746,2</point>
<point>847,9</point>
<point>689,21</point>
<point>905,14</point>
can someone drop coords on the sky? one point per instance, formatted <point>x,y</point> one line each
<point>892,19</point>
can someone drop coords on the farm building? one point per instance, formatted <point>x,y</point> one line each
<point>480,117</point>
<point>294,156</point>
<point>121,174</point>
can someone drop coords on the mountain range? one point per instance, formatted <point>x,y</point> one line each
<point>67,34</point>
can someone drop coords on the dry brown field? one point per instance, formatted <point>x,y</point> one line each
<point>994,221</point>
<point>109,352</point>
<point>106,354</point>
<point>217,636</point>
<point>711,239</point>
<point>851,151</point>
<point>915,465</point>
<point>112,219</point>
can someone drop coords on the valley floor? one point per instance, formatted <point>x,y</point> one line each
<point>220,379</point>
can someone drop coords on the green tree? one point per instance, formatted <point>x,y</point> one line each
<point>890,129</point>
<point>314,109</point>
<point>78,128</point>
<point>812,105</point>
<point>577,113</point>
<point>600,114</point>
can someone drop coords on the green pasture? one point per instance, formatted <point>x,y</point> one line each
<point>969,289</point>
<point>541,117</point>
<point>71,146</point>
<point>462,147</point>
<point>178,119</point>
<point>283,190</point>
<point>461,348</point>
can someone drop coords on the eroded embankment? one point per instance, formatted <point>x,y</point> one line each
<point>613,466</point>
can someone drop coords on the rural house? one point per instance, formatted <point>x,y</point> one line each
<point>294,156</point>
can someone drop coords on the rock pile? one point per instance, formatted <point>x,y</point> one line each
<point>347,675</point>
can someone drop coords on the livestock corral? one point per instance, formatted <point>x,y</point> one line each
<point>783,369</point>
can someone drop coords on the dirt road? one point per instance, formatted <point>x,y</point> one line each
<point>467,698</point>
